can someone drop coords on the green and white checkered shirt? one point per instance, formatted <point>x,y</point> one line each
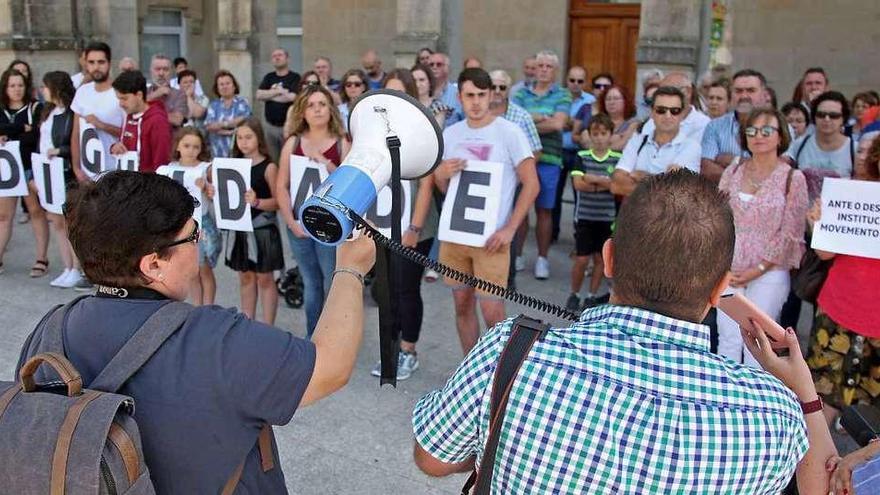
<point>624,401</point>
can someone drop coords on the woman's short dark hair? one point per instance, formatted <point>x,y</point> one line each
<point>130,83</point>
<point>405,77</point>
<point>602,75</point>
<point>4,83</point>
<point>629,107</point>
<point>224,73</point>
<point>795,107</point>
<point>349,73</point>
<point>479,77</point>
<point>668,214</point>
<point>432,83</point>
<point>781,124</point>
<point>123,216</point>
<point>60,88</point>
<point>830,96</point>
<point>867,97</point>
<point>187,73</point>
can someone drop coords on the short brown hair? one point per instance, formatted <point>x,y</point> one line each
<point>872,161</point>
<point>601,120</point>
<point>224,73</point>
<point>781,123</point>
<point>673,244</point>
<point>123,216</point>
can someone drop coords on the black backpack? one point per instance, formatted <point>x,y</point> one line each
<point>58,438</point>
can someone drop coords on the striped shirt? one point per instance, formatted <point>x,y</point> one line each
<point>623,401</point>
<point>556,99</point>
<point>596,206</point>
<point>520,117</point>
<point>722,137</point>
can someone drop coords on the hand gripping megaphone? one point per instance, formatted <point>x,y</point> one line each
<point>389,129</point>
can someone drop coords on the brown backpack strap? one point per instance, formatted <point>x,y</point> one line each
<point>526,331</point>
<point>267,460</point>
<point>65,438</point>
<point>127,451</point>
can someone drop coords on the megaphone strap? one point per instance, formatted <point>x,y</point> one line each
<point>467,279</point>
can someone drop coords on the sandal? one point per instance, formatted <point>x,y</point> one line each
<point>1,268</point>
<point>40,269</point>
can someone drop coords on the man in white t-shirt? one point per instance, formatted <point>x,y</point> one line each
<point>693,121</point>
<point>666,148</point>
<point>484,137</point>
<point>96,102</point>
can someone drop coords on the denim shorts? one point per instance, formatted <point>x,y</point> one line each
<point>548,176</point>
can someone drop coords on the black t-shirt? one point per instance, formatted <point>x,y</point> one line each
<point>277,112</point>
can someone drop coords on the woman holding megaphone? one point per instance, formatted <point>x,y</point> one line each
<point>313,130</point>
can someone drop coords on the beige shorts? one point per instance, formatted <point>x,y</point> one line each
<point>492,267</point>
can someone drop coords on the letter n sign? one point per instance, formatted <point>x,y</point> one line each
<point>471,209</point>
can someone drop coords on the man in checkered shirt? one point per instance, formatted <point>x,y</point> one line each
<point>629,399</point>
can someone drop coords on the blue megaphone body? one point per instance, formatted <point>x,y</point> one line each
<point>354,185</point>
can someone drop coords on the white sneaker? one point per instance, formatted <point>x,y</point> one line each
<point>65,280</point>
<point>542,268</point>
<point>76,278</point>
<point>520,263</point>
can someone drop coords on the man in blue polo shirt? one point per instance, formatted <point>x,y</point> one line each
<point>721,138</point>
<point>549,105</point>
<point>582,102</point>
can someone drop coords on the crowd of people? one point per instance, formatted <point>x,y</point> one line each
<point>746,208</point>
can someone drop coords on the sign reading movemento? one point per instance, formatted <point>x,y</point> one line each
<point>49,179</point>
<point>12,179</point>
<point>305,176</point>
<point>473,200</point>
<point>380,213</point>
<point>188,178</point>
<point>232,178</point>
<point>850,222</point>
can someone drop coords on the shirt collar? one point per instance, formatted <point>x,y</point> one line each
<point>654,326</point>
<point>608,154</point>
<point>553,88</point>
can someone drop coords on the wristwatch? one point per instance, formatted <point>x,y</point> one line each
<point>762,267</point>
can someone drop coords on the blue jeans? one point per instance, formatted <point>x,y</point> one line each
<point>316,264</point>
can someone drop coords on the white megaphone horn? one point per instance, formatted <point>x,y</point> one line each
<point>354,185</point>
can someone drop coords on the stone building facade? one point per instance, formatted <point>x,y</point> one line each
<point>779,37</point>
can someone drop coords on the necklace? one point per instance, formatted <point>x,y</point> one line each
<point>749,175</point>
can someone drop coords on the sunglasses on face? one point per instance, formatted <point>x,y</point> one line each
<point>353,84</point>
<point>828,115</point>
<point>601,86</point>
<point>499,87</point>
<point>766,130</point>
<point>661,110</point>
<point>575,81</point>
<point>311,82</point>
<point>192,237</point>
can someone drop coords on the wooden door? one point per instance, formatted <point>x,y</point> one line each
<point>604,38</point>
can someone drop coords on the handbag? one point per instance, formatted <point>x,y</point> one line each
<point>809,278</point>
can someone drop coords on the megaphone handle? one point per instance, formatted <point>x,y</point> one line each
<point>389,314</point>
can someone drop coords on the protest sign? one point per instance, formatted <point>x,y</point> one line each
<point>850,222</point>
<point>305,176</point>
<point>12,180</point>
<point>380,213</point>
<point>232,178</point>
<point>473,200</point>
<point>49,179</point>
<point>187,177</point>
<point>128,161</point>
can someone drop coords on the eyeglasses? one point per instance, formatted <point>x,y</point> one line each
<point>661,110</point>
<point>575,81</point>
<point>192,237</point>
<point>312,82</point>
<point>766,130</point>
<point>499,87</point>
<point>828,115</point>
<point>601,86</point>
<point>353,84</point>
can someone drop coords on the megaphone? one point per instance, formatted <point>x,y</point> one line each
<point>380,121</point>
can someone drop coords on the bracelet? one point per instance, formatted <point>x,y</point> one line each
<point>812,406</point>
<point>350,271</point>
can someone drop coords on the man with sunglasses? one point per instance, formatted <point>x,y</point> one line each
<point>600,83</point>
<point>666,148</point>
<point>827,151</point>
<point>445,91</point>
<point>277,90</point>
<point>581,109</point>
<point>693,121</point>
<point>721,138</point>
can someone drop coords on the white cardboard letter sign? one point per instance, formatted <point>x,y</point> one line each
<point>128,161</point>
<point>850,222</point>
<point>93,158</point>
<point>380,212</point>
<point>232,178</point>
<point>49,179</point>
<point>12,179</point>
<point>470,210</point>
<point>305,176</point>
<point>187,177</point>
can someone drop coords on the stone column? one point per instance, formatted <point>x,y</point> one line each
<point>670,37</point>
<point>419,23</point>
<point>235,29</point>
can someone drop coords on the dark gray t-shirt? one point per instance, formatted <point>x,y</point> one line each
<point>201,400</point>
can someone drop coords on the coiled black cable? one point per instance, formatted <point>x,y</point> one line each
<point>470,280</point>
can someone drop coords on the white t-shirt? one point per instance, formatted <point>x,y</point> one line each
<point>839,161</point>
<point>501,141</point>
<point>655,159</point>
<point>77,80</point>
<point>103,105</point>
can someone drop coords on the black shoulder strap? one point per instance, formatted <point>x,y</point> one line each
<point>797,154</point>
<point>141,346</point>
<point>339,150</point>
<point>644,142</point>
<point>852,154</point>
<point>523,336</point>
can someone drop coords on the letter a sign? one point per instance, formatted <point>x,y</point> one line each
<point>305,176</point>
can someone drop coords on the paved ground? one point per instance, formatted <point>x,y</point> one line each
<point>358,441</point>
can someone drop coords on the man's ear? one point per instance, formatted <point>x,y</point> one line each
<point>608,258</point>
<point>719,289</point>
